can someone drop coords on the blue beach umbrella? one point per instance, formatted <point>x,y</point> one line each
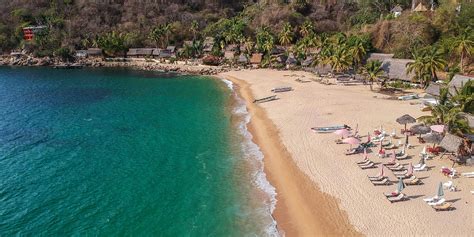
<point>400,185</point>
<point>440,190</point>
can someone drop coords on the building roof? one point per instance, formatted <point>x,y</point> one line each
<point>242,59</point>
<point>94,51</point>
<point>397,9</point>
<point>420,8</point>
<point>379,56</point>
<point>229,54</point>
<point>433,89</point>
<point>396,69</point>
<point>171,48</point>
<point>458,82</point>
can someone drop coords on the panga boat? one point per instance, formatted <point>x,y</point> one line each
<point>266,99</point>
<point>329,129</point>
<point>409,97</point>
<point>281,89</point>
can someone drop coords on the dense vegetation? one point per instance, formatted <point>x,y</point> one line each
<point>342,31</point>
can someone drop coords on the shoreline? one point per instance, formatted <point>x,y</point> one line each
<point>299,210</point>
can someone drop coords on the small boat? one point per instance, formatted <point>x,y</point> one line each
<point>266,99</point>
<point>281,89</point>
<point>329,129</point>
<point>409,97</point>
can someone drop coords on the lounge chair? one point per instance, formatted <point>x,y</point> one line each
<point>400,197</point>
<point>362,162</point>
<point>431,199</point>
<point>404,176</point>
<point>376,178</point>
<point>468,174</point>
<point>389,164</point>
<point>421,168</point>
<point>447,206</point>
<point>397,168</point>
<point>367,162</point>
<point>392,194</point>
<point>369,166</point>
<point>384,181</point>
<point>402,157</point>
<point>401,172</point>
<point>438,202</point>
<point>413,181</point>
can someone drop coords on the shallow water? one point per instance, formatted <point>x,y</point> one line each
<point>115,151</point>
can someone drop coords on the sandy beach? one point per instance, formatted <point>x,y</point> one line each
<point>321,191</point>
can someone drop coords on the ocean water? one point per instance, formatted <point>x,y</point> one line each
<point>122,152</point>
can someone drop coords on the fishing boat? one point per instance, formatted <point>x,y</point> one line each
<point>266,99</point>
<point>409,97</point>
<point>329,129</point>
<point>281,89</point>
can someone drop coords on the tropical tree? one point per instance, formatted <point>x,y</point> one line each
<point>286,34</point>
<point>434,61</point>
<point>358,50</point>
<point>265,40</point>
<point>167,31</point>
<point>194,28</point>
<point>113,42</point>
<point>306,28</point>
<point>372,70</point>
<point>339,58</point>
<point>417,67</point>
<point>248,46</point>
<point>447,113</point>
<point>463,45</point>
<point>156,34</point>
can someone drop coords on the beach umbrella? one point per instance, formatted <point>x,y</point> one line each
<point>365,154</point>
<point>400,185</point>
<point>434,138</point>
<point>394,157</point>
<point>368,137</point>
<point>406,119</point>
<point>382,173</point>
<point>420,129</point>
<point>342,132</point>
<point>410,169</point>
<point>351,141</point>
<point>424,150</point>
<point>437,128</point>
<point>440,190</point>
<point>422,161</point>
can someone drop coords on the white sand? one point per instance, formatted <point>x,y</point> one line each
<point>313,104</point>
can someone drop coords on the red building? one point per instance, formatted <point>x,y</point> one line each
<point>29,32</point>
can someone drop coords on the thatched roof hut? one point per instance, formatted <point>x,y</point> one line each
<point>94,52</point>
<point>406,119</point>
<point>397,69</point>
<point>243,59</point>
<point>420,8</point>
<point>451,143</point>
<point>458,82</point>
<point>433,90</point>
<point>379,56</point>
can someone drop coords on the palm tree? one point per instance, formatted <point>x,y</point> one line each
<point>434,61</point>
<point>156,34</point>
<point>264,40</point>
<point>286,34</point>
<point>358,51</point>
<point>248,46</point>
<point>306,29</point>
<point>339,58</point>
<point>194,28</point>
<point>167,30</point>
<point>417,67</point>
<point>464,44</point>
<point>372,70</point>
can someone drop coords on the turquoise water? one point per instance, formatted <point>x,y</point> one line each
<point>119,152</point>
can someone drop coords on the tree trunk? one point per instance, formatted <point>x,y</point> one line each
<point>461,63</point>
<point>413,4</point>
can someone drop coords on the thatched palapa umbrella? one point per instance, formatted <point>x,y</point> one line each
<point>451,143</point>
<point>406,119</point>
<point>420,129</point>
<point>434,138</point>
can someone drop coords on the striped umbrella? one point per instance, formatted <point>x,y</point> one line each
<point>410,169</point>
<point>400,185</point>
<point>382,171</point>
<point>394,157</point>
<point>440,190</point>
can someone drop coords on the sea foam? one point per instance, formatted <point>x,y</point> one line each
<point>252,151</point>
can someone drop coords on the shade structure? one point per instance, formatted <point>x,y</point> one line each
<point>343,132</point>
<point>410,169</point>
<point>434,138</point>
<point>437,128</point>
<point>406,119</point>
<point>451,142</point>
<point>351,140</point>
<point>440,190</point>
<point>400,185</point>
<point>420,129</point>
<point>393,157</point>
